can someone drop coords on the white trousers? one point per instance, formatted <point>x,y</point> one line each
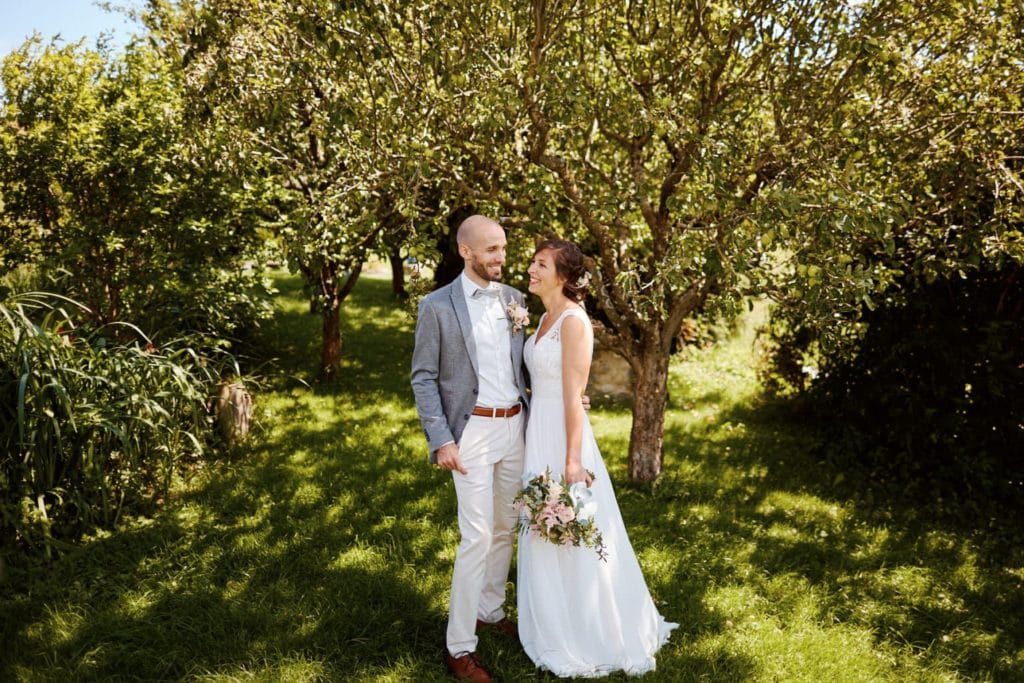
<point>492,452</point>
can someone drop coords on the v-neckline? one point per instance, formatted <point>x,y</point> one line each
<point>538,336</point>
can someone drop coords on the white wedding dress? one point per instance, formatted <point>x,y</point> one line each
<point>578,615</point>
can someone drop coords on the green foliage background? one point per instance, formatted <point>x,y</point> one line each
<point>112,198</point>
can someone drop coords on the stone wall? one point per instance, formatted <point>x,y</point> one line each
<point>610,375</point>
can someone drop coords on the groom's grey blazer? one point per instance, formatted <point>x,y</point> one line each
<point>444,363</point>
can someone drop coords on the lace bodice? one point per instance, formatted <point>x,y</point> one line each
<point>543,356</point>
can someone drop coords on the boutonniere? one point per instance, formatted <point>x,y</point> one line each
<point>518,316</point>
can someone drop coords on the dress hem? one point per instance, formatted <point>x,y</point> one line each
<point>630,668</point>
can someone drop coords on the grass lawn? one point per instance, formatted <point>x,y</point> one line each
<point>323,550</point>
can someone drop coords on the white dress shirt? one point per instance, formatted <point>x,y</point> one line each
<point>493,346</point>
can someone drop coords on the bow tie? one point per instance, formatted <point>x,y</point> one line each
<point>491,292</point>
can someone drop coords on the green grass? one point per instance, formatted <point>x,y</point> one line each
<point>323,550</point>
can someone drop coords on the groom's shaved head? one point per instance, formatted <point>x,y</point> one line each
<point>482,247</point>
<point>475,228</point>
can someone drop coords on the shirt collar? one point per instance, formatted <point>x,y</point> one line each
<point>468,286</point>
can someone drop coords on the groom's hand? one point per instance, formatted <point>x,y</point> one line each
<point>586,402</point>
<point>448,458</point>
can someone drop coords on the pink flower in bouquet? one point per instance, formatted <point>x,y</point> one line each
<point>557,515</point>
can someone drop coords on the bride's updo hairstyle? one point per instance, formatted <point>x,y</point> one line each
<point>568,258</point>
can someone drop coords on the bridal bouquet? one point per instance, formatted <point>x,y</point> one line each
<point>563,515</point>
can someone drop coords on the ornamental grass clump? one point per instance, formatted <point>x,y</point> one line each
<point>88,426</point>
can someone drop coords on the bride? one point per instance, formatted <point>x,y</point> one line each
<point>579,615</point>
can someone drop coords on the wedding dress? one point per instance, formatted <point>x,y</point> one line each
<point>579,615</point>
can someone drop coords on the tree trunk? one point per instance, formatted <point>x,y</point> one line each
<point>335,290</point>
<point>397,273</point>
<point>330,316</point>
<point>330,353</point>
<point>650,398</point>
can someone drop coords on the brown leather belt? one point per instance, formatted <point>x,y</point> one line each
<point>498,412</point>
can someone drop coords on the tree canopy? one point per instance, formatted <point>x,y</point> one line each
<point>114,199</point>
<point>704,150</point>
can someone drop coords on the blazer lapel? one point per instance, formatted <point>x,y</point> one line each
<point>515,346</point>
<point>458,296</point>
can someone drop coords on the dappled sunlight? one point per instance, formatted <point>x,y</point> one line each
<point>785,616</point>
<point>60,624</point>
<point>288,668</point>
<point>812,653</point>
<point>740,602</point>
<point>307,495</point>
<point>360,556</point>
<point>805,512</point>
<point>289,305</point>
<point>659,560</point>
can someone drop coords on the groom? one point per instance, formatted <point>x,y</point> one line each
<point>467,376</point>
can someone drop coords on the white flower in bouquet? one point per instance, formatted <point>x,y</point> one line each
<point>583,500</point>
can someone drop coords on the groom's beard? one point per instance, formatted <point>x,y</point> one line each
<point>482,270</point>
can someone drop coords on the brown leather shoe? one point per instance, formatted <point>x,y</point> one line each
<point>467,668</point>
<point>503,626</point>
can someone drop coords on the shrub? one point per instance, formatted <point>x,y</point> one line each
<point>930,396</point>
<point>113,199</point>
<point>783,352</point>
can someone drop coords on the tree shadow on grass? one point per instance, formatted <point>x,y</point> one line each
<point>103,569</point>
<point>298,550</point>
<point>405,512</point>
<point>266,570</point>
<point>748,492</point>
<point>273,617</point>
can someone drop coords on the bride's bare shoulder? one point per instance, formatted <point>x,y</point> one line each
<point>578,313</point>
<point>575,322</point>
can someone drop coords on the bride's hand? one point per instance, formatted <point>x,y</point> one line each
<point>575,472</point>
